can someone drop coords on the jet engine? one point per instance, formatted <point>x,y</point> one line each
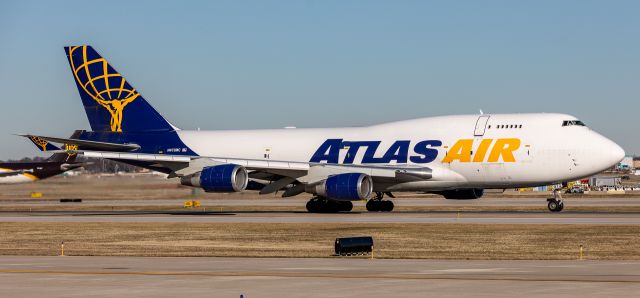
<point>462,194</point>
<point>221,178</point>
<point>344,187</point>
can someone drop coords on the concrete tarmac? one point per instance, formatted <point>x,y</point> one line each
<point>352,217</point>
<point>268,200</point>
<point>335,277</point>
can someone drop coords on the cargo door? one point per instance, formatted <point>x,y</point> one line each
<point>481,125</point>
<point>479,172</point>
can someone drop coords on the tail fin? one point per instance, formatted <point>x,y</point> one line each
<point>42,144</point>
<point>110,102</point>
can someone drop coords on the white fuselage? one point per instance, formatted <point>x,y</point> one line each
<point>546,152</point>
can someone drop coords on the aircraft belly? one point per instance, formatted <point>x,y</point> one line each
<point>421,186</point>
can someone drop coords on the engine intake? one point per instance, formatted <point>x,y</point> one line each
<point>345,187</point>
<point>222,178</point>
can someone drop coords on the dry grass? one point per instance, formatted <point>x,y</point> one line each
<point>437,241</point>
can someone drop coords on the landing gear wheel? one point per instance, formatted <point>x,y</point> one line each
<point>371,206</point>
<point>324,205</point>
<point>377,205</point>
<point>555,205</point>
<point>387,206</point>
<point>560,206</point>
<point>314,206</point>
<point>345,206</point>
<point>552,205</point>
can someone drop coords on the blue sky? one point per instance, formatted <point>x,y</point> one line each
<point>266,64</point>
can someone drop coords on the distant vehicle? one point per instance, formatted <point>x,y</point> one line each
<point>23,172</point>
<point>575,189</point>
<point>455,156</point>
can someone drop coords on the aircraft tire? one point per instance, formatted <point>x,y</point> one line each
<point>555,206</point>
<point>345,206</point>
<point>375,205</point>
<point>388,206</point>
<point>324,205</point>
<point>312,206</point>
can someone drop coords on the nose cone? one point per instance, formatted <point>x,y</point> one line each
<point>612,153</point>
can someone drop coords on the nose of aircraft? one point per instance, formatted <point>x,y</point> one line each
<point>612,153</point>
<point>601,153</point>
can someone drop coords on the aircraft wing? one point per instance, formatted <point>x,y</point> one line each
<point>278,174</point>
<point>284,174</point>
<point>303,171</point>
<point>180,165</point>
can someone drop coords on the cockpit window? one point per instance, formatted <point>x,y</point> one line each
<point>572,122</point>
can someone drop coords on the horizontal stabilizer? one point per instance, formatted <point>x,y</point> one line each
<point>75,144</point>
<point>42,144</point>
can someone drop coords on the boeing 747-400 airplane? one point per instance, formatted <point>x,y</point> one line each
<point>455,156</point>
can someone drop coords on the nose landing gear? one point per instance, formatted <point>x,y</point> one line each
<point>555,204</point>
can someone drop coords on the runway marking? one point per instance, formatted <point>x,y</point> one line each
<point>506,277</point>
<point>473,270</point>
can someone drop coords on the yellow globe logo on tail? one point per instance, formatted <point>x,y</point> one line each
<point>40,142</point>
<point>113,97</point>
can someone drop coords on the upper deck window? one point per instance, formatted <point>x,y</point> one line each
<point>572,122</point>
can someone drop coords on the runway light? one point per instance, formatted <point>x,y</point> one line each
<point>62,249</point>
<point>580,252</point>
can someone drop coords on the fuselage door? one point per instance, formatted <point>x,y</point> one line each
<point>481,125</point>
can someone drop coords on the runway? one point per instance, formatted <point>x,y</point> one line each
<point>300,202</point>
<point>330,277</point>
<point>352,217</point>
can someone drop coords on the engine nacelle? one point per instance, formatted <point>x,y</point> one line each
<point>344,187</point>
<point>463,194</point>
<point>222,178</point>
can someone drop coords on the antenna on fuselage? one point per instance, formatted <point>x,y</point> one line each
<point>481,112</point>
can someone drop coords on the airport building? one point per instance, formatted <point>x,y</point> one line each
<point>605,181</point>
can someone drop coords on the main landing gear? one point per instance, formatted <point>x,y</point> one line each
<point>324,205</point>
<point>555,204</point>
<point>377,204</point>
